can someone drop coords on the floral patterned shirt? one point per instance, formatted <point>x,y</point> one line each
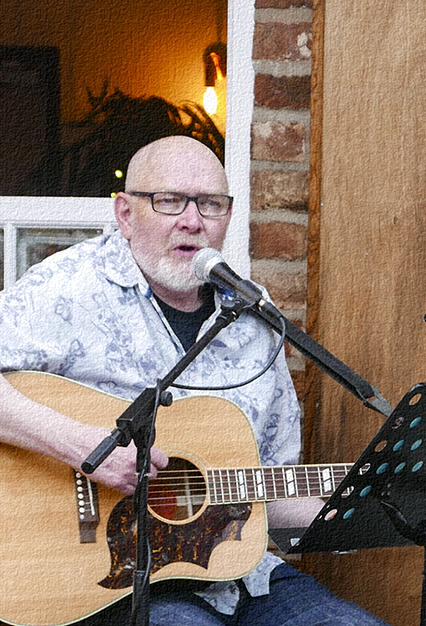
<point>88,313</point>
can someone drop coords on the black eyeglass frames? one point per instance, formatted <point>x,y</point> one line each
<point>170,203</point>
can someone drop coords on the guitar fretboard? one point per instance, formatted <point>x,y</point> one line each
<point>227,486</point>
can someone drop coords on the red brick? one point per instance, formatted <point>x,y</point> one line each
<point>278,141</point>
<point>282,4</point>
<point>280,240</point>
<point>293,92</point>
<point>282,42</point>
<point>288,290</point>
<point>279,190</point>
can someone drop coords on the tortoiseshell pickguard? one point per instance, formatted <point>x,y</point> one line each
<point>192,542</point>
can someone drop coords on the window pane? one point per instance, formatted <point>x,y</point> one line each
<point>35,244</point>
<point>79,95</point>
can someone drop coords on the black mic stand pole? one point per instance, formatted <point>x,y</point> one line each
<point>138,423</point>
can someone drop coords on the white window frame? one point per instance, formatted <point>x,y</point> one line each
<point>49,212</point>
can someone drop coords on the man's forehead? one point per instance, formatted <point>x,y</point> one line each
<point>176,164</point>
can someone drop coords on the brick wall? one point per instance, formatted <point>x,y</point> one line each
<point>280,159</point>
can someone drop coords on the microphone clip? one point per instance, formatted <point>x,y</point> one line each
<point>229,298</point>
<point>231,308</point>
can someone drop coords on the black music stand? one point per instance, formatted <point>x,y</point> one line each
<point>382,500</point>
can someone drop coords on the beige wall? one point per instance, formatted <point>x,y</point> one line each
<point>369,245</point>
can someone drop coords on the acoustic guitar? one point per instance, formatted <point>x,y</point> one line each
<point>68,544</point>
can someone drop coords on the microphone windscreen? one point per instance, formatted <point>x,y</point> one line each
<point>203,262</point>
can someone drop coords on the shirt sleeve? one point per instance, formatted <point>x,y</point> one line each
<point>35,323</point>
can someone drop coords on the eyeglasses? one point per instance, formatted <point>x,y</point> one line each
<point>169,203</point>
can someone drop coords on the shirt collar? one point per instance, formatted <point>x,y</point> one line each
<point>120,266</point>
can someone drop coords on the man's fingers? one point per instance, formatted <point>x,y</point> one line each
<point>158,458</point>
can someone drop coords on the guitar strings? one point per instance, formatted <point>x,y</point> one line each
<point>179,482</point>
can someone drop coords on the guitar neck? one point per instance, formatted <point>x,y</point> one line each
<point>266,484</point>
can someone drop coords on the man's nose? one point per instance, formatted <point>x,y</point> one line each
<point>190,218</point>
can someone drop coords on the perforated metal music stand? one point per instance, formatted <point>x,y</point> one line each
<point>382,500</point>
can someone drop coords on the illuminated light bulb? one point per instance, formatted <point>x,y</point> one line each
<point>118,173</point>
<point>113,194</point>
<point>210,101</point>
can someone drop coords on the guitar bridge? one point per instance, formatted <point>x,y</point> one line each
<point>87,507</point>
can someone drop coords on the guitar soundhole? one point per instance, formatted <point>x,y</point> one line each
<point>179,491</point>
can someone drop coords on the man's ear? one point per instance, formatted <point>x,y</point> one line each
<point>123,214</point>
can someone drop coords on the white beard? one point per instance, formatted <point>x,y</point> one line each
<point>176,276</point>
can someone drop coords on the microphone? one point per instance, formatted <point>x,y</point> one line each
<point>209,266</point>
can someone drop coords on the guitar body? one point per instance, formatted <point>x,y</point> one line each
<point>52,574</point>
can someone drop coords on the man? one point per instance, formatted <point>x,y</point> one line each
<point>117,313</point>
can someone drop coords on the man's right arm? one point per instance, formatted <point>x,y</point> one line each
<point>27,424</point>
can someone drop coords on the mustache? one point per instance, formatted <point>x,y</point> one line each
<point>197,242</point>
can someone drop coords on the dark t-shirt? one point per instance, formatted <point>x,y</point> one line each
<point>185,324</point>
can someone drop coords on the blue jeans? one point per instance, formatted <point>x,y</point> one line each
<point>295,599</point>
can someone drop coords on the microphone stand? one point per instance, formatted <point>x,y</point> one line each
<point>138,423</point>
<point>209,265</point>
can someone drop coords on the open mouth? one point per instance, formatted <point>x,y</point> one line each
<point>187,249</point>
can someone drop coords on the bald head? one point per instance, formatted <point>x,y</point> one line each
<point>164,244</point>
<point>176,164</point>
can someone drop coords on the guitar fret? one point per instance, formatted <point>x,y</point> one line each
<point>275,484</point>
<point>319,481</point>
<point>296,484</point>
<point>271,491</point>
<point>291,483</point>
<point>260,485</point>
<point>242,486</point>
<point>279,483</point>
<point>284,483</point>
<point>321,492</point>
<point>225,485</point>
<point>269,484</point>
<point>333,478</point>
<point>251,485</point>
<point>301,484</point>
<point>212,488</point>
<point>221,486</point>
<point>326,480</point>
<point>307,482</point>
<point>234,486</point>
<point>228,477</point>
<point>244,472</point>
<point>251,481</point>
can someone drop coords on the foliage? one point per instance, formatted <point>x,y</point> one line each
<point>116,126</point>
